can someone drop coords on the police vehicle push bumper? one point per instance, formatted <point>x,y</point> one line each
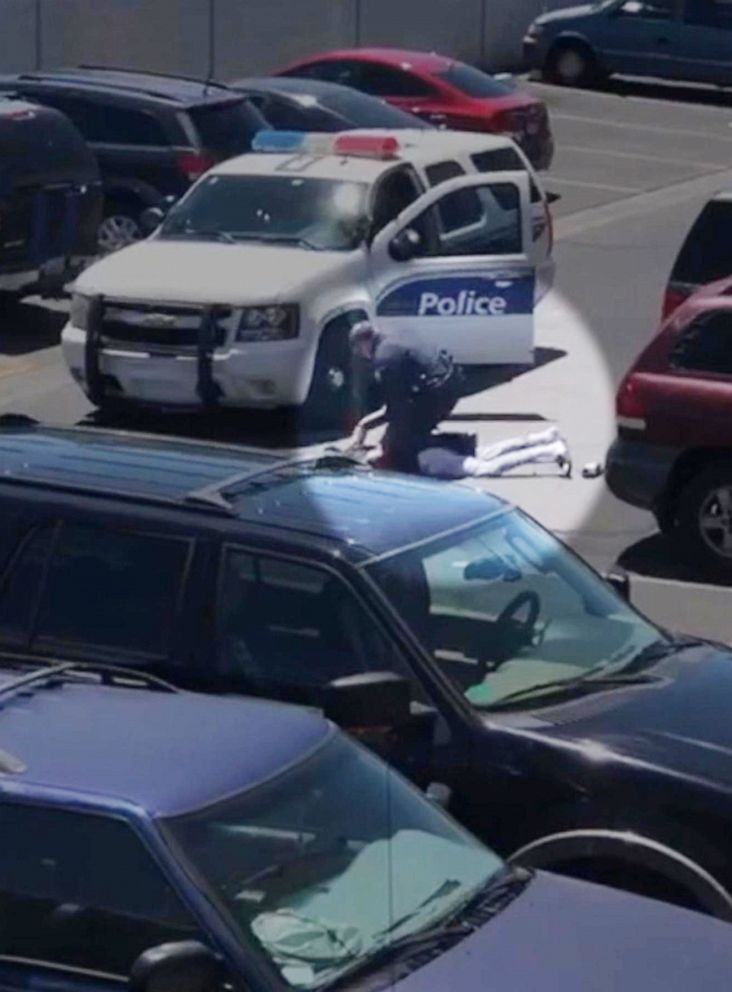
<point>203,373</point>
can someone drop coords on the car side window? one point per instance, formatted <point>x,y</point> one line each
<point>441,172</point>
<point>481,220</point>
<point>331,71</point>
<point>81,891</point>
<point>286,630</point>
<point>709,14</point>
<point>394,193</point>
<point>383,80</point>
<point>21,584</point>
<point>505,160</point>
<point>706,345</point>
<point>108,125</point>
<point>112,589</point>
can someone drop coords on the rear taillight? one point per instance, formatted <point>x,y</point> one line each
<point>629,406</point>
<point>672,299</point>
<point>194,164</point>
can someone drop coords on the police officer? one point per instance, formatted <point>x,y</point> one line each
<point>418,385</point>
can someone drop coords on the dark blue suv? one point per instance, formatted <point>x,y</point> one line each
<point>183,843</point>
<point>494,659</point>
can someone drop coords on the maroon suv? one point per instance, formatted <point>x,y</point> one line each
<point>673,454</point>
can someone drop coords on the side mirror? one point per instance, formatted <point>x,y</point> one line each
<point>620,582</point>
<point>369,701</point>
<point>151,219</point>
<point>553,197</point>
<point>439,794</point>
<point>406,245</point>
<point>186,966</point>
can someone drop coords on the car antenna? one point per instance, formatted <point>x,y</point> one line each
<point>211,46</point>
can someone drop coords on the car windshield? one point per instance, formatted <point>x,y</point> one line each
<point>505,609</point>
<point>324,865</point>
<point>473,82</point>
<point>324,214</point>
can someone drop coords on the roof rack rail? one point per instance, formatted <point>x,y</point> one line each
<point>70,77</point>
<point>214,494</point>
<point>150,72</point>
<point>108,675</point>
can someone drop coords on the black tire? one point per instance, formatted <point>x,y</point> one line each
<point>571,64</point>
<point>120,224</point>
<point>331,401</point>
<point>705,517</point>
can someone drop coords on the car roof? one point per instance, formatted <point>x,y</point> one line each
<point>155,87</point>
<point>164,752</point>
<point>418,147</point>
<point>404,58</point>
<point>349,509</point>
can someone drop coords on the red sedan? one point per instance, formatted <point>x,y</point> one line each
<point>440,90</point>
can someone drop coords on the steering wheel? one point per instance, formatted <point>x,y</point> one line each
<point>512,633</point>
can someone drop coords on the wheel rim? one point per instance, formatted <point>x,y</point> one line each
<point>715,521</point>
<point>116,231</point>
<point>571,65</point>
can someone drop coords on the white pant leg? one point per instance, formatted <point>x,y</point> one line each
<point>511,459</point>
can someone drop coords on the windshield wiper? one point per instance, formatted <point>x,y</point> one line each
<point>491,897</point>
<point>436,936</point>
<point>211,233</point>
<point>587,681</point>
<point>282,239</point>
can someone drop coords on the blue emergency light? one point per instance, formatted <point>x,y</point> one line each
<point>278,141</point>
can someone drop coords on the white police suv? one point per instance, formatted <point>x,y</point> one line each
<point>245,293</point>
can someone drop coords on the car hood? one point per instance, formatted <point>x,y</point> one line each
<point>205,272</point>
<point>563,935</point>
<point>680,722</point>
<point>568,13</point>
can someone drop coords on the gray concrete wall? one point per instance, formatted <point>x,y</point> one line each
<point>253,36</point>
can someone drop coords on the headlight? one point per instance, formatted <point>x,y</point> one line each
<point>535,30</point>
<point>272,323</point>
<point>79,311</point>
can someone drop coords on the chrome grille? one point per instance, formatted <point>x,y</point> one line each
<point>161,327</point>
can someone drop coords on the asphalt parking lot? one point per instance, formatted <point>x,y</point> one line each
<point>634,164</point>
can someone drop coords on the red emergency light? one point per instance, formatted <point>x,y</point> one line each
<point>366,145</point>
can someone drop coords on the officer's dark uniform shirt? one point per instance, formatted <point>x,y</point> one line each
<point>418,384</point>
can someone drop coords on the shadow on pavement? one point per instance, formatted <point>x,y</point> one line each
<point>27,327</point>
<point>260,429</point>
<point>667,91</point>
<point>657,557</point>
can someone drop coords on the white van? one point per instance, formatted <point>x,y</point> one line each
<point>244,296</point>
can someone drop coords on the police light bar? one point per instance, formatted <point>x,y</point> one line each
<point>367,146</point>
<point>303,143</point>
<point>294,142</point>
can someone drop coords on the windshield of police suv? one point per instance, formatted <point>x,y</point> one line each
<point>323,866</point>
<point>321,214</point>
<point>505,610</point>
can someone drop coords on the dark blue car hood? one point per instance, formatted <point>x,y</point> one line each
<point>682,723</point>
<point>562,935</point>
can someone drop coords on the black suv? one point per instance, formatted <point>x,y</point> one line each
<point>50,199</point>
<point>153,134</point>
<point>439,622</point>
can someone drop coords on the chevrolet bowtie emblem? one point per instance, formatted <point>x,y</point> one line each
<point>158,320</point>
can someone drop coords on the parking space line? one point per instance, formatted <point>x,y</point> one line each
<point>707,135</point>
<point>585,185</point>
<point>582,150</point>
<point>643,202</point>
